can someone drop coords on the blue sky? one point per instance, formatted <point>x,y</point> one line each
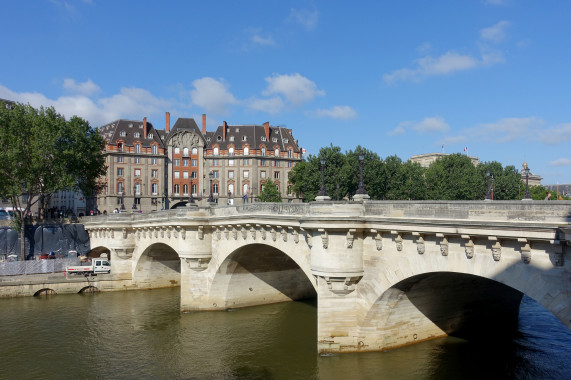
<point>398,77</point>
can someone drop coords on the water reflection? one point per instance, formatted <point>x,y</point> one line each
<point>141,334</point>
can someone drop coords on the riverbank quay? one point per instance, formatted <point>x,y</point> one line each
<point>57,283</point>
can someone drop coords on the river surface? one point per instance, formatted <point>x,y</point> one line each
<point>142,335</point>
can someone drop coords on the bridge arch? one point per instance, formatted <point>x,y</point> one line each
<point>98,251</point>
<point>157,265</point>
<point>45,292</point>
<point>257,273</point>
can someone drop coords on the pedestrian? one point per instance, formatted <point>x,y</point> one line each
<point>548,197</point>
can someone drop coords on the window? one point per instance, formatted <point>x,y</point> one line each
<point>219,138</point>
<point>185,152</point>
<point>230,189</point>
<point>155,149</point>
<point>246,150</point>
<point>246,162</point>
<point>215,162</point>
<point>123,133</point>
<point>231,138</point>
<point>119,158</point>
<point>289,164</point>
<point>263,138</point>
<point>193,187</point>
<point>185,175</point>
<point>194,175</point>
<point>119,172</point>
<point>185,162</point>
<point>263,151</point>
<point>130,125</point>
<point>276,152</point>
<point>230,162</point>
<point>274,139</point>
<point>276,163</point>
<point>276,175</point>
<point>138,188</point>
<point>119,200</point>
<point>245,189</point>
<point>176,162</point>
<point>154,173</point>
<point>194,151</point>
<point>231,174</point>
<point>215,151</point>
<point>244,138</point>
<point>231,151</point>
<point>262,162</point>
<point>120,147</point>
<point>246,173</point>
<point>263,174</point>
<point>177,150</point>
<point>137,134</point>
<point>286,141</point>
<point>177,189</point>
<point>215,188</point>
<point>137,148</point>
<point>150,136</point>
<point>215,174</point>
<point>289,153</point>
<point>185,189</point>
<point>137,172</point>
<point>176,174</point>
<point>141,126</point>
<point>137,160</point>
<point>154,160</point>
<point>120,187</point>
<point>194,162</point>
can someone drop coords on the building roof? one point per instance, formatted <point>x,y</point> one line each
<point>183,124</point>
<point>127,130</point>
<point>253,136</point>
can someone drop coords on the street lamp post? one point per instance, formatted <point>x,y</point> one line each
<point>211,196</point>
<point>489,192</point>
<point>191,199</point>
<point>134,197</point>
<point>525,171</point>
<point>322,191</point>
<point>361,189</point>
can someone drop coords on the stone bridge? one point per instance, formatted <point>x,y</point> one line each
<point>385,274</point>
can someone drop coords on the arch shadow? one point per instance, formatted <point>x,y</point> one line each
<point>157,266</point>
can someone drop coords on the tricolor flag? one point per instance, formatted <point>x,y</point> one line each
<point>465,149</point>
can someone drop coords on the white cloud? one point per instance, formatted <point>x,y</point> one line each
<point>506,129</point>
<point>295,88</point>
<point>272,105</point>
<point>452,140</point>
<point>308,19</point>
<point>336,112</point>
<point>84,88</point>
<point>561,162</point>
<point>128,103</point>
<point>495,33</point>
<point>431,125</point>
<point>212,95</point>
<point>556,135</point>
<point>264,41</point>
<point>399,129</point>
<point>429,66</point>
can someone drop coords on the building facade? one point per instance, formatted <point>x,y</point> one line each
<point>150,169</point>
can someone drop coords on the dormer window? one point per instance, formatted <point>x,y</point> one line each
<point>237,130</point>
<point>286,141</point>
<point>244,138</point>
<point>231,138</point>
<point>141,126</point>
<point>130,125</point>
<point>137,134</point>
<point>274,139</point>
<point>150,136</point>
<point>263,138</point>
<point>208,139</point>
<point>123,133</point>
<point>219,138</point>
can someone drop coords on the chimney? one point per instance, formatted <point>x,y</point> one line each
<point>168,121</point>
<point>267,130</point>
<point>145,127</point>
<point>204,123</point>
<point>224,126</point>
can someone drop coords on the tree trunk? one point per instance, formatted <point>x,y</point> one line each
<point>23,240</point>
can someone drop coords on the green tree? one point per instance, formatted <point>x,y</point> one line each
<point>503,182</point>
<point>453,177</point>
<point>408,182</point>
<point>42,153</point>
<point>269,192</point>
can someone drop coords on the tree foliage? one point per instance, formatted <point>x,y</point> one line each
<point>42,153</point>
<point>269,192</point>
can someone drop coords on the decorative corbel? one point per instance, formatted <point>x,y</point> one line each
<point>525,251</point>
<point>252,231</point>
<point>112,234</point>
<point>295,235</point>
<point>420,246</point>
<point>469,246</point>
<point>244,232</point>
<point>273,233</point>
<point>218,233</point>
<point>443,244</point>
<point>378,239</point>
<point>398,240</point>
<point>262,231</point>
<point>342,285</point>
<point>169,229</point>
<point>227,232</point>
<point>196,264</point>
<point>124,233</point>
<point>156,230</point>
<point>496,248</point>
<point>350,238</point>
<point>324,237</point>
<point>138,234</point>
<point>234,232</point>
<point>284,234</point>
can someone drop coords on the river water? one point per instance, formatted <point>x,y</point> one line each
<point>142,335</point>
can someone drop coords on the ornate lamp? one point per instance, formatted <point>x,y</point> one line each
<point>322,191</point>
<point>211,196</point>
<point>361,189</point>
<point>526,171</point>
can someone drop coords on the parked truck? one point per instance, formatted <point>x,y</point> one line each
<point>97,266</point>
